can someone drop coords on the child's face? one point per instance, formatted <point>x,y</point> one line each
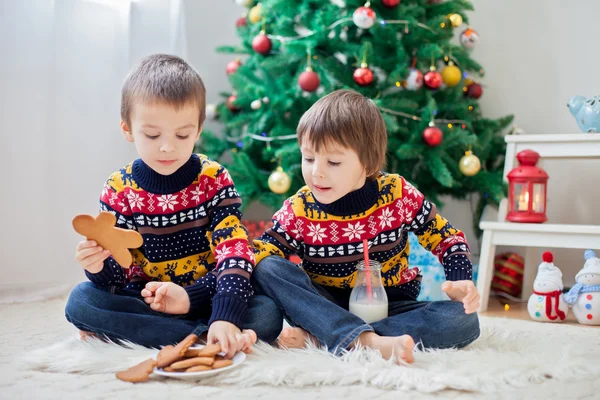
<point>164,137</point>
<point>333,172</point>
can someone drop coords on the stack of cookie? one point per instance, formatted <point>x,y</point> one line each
<point>178,358</point>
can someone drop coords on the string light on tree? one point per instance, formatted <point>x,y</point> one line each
<point>469,164</point>
<point>469,38</point>
<point>364,17</point>
<point>279,181</point>
<point>451,75</point>
<point>232,66</point>
<point>390,3</point>
<point>262,44</point>
<point>432,135</point>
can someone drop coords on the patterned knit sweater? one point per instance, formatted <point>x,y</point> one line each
<point>328,237</point>
<point>190,223</point>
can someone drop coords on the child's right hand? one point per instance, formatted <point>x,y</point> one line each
<point>91,256</point>
<point>231,338</point>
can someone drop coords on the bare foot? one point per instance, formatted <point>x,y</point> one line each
<point>400,347</point>
<point>85,335</point>
<point>294,338</point>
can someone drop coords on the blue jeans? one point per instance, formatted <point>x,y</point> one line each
<point>120,315</point>
<point>323,311</point>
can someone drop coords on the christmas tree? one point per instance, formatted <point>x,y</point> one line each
<point>410,56</point>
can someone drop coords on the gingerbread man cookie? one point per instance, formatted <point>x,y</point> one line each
<point>103,230</point>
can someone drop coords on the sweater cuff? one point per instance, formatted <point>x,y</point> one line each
<point>110,274</point>
<point>228,308</point>
<point>200,295</point>
<point>458,267</point>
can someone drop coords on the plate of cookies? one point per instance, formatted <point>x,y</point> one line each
<point>197,361</point>
<point>186,360</point>
<point>196,364</point>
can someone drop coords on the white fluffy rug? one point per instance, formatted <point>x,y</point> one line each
<point>513,359</point>
<point>510,354</point>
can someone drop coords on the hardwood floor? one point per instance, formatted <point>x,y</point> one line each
<point>519,311</point>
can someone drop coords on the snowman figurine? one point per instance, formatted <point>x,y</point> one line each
<point>584,296</point>
<point>547,303</point>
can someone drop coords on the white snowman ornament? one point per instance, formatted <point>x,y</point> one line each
<point>547,303</point>
<point>584,296</point>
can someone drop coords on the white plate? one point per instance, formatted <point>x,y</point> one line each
<point>237,360</point>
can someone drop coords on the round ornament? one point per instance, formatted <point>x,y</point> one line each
<point>279,181</point>
<point>451,75</point>
<point>414,80</point>
<point>363,75</point>
<point>262,44</point>
<point>309,80</point>
<point>432,135</point>
<point>364,17</point>
<point>469,164</point>
<point>469,38</point>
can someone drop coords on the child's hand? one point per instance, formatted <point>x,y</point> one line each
<point>166,297</point>
<point>91,256</point>
<point>231,338</point>
<point>463,291</point>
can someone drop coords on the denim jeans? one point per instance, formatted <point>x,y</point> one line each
<point>323,311</point>
<point>121,315</point>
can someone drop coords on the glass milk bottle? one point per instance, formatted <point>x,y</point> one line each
<point>373,307</point>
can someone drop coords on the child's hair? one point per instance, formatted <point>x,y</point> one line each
<point>351,120</point>
<point>163,78</point>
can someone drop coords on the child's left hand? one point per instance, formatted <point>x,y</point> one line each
<point>463,291</point>
<point>166,297</point>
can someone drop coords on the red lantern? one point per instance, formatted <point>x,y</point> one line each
<point>527,190</point>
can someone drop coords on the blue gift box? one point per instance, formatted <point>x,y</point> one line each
<point>431,269</point>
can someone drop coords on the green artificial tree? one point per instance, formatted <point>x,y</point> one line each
<point>410,56</point>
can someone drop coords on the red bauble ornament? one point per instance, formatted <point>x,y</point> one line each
<point>433,136</point>
<point>232,66</point>
<point>474,91</point>
<point>309,81</point>
<point>363,76</point>
<point>390,3</point>
<point>230,103</point>
<point>241,21</point>
<point>262,44</point>
<point>433,80</point>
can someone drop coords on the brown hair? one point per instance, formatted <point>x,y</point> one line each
<point>351,120</point>
<point>163,78</point>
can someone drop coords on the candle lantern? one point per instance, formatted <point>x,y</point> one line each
<point>527,190</point>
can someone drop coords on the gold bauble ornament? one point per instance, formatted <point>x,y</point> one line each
<point>279,181</point>
<point>456,20</point>
<point>451,75</point>
<point>255,14</point>
<point>469,164</point>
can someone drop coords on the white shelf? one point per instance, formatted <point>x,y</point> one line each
<point>534,236</point>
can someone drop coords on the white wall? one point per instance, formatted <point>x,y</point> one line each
<point>536,53</point>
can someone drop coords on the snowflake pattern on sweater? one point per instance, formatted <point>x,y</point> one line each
<point>329,237</point>
<point>190,223</point>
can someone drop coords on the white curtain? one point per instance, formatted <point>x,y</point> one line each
<point>62,64</point>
